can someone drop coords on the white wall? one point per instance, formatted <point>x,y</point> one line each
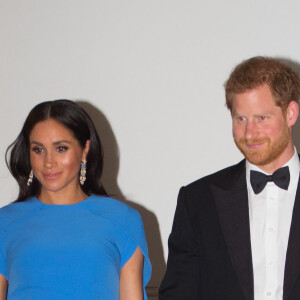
<point>151,74</point>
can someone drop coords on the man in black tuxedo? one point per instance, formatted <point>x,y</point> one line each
<point>236,233</point>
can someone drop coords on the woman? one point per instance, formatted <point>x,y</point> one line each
<point>63,238</point>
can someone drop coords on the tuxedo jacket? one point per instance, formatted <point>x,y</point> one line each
<point>209,246</point>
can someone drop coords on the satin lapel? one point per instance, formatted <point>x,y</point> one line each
<point>292,264</point>
<point>232,206</point>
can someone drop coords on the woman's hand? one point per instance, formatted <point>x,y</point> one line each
<point>131,277</point>
<point>3,287</point>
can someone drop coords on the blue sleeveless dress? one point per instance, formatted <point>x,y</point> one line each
<point>67,252</point>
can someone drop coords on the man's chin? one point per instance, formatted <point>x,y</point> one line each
<point>257,157</point>
<point>261,158</point>
<point>257,160</point>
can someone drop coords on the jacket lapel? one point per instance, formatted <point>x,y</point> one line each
<point>231,200</point>
<point>292,264</point>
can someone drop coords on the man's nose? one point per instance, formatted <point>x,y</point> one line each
<point>250,130</point>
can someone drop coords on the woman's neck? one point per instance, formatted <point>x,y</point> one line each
<point>62,197</point>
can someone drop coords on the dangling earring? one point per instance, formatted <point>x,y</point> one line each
<point>82,177</point>
<point>30,178</point>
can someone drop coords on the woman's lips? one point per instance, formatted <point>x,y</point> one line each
<point>51,176</point>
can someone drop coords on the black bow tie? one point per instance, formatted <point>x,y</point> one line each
<point>280,177</point>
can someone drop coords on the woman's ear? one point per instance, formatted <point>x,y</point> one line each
<point>85,149</point>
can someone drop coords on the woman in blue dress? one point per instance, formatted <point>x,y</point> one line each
<point>63,238</point>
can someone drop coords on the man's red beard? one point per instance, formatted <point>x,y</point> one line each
<point>269,151</point>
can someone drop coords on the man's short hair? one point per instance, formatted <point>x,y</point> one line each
<point>254,72</point>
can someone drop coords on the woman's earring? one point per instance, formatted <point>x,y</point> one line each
<point>30,178</point>
<point>82,177</point>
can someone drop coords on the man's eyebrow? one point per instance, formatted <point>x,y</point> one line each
<point>264,113</point>
<point>235,113</point>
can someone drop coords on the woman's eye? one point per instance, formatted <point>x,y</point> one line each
<point>37,150</point>
<point>61,148</point>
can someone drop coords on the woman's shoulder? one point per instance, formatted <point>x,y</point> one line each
<point>117,213</point>
<point>113,209</point>
<point>15,211</point>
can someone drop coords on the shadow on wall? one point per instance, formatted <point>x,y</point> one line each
<point>109,180</point>
<point>296,129</point>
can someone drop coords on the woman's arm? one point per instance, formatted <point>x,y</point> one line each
<point>3,287</point>
<point>131,277</point>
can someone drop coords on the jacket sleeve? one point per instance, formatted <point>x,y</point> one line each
<point>182,277</point>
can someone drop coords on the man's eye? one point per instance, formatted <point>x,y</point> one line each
<point>262,117</point>
<point>241,118</point>
<point>61,148</point>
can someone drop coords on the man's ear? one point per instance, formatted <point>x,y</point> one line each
<point>86,149</point>
<point>292,113</point>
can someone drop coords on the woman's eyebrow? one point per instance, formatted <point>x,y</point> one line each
<point>54,143</point>
<point>61,142</point>
<point>34,142</point>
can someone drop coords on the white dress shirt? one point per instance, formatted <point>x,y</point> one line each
<point>270,215</point>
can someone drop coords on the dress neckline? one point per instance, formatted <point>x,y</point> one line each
<point>80,203</point>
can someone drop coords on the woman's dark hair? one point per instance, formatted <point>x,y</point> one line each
<point>73,117</point>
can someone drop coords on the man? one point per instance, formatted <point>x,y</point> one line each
<point>236,233</point>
